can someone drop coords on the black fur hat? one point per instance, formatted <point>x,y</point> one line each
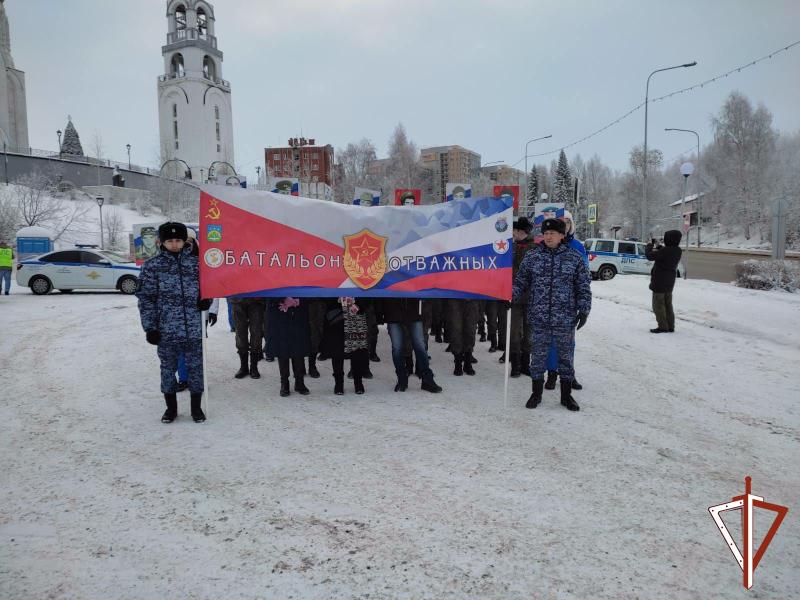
<point>172,231</point>
<point>523,224</point>
<point>554,225</point>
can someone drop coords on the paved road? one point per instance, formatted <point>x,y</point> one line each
<point>718,265</point>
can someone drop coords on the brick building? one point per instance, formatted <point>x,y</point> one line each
<point>301,159</point>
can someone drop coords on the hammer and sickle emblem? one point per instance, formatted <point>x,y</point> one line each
<point>213,211</point>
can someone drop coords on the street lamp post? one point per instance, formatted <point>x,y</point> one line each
<point>526,164</point>
<point>58,133</point>
<point>697,186</point>
<point>687,169</point>
<point>100,201</point>
<point>258,174</point>
<point>128,146</point>
<point>643,210</point>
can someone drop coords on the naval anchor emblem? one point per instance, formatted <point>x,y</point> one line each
<point>365,258</point>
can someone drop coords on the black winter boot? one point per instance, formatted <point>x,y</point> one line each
<point>197,412</point>
<point>514,362</point>
<point>313,372</point>
<point>525,363</point>
<point>338,385</point>
<point>401,385</point>
<point>493,342</point>
<point>244,368</point>
<point>429,385</point>
<point>550,384</point>
<point>575,384</point>
<point>472,358</point>
<point>254,365</point>
<point>459,362</point>
<point>468,360</point>
<point>536,397</point>
<point>300,386</point>
<point>283,367</point>
<point>373,354</point>
<point>566,395</point>
<point>502,358</point>
<point>483,337</point>
<point>172,408</point>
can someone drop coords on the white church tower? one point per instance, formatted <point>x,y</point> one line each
<point>194,101</point>
<point>13,106</point>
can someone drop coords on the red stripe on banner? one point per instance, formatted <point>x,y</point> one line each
<point>261,238</point>
<point>495,283</point>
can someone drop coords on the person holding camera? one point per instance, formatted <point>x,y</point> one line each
<point>662,278</point>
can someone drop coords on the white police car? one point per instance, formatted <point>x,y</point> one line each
<point>84,267</point>
<point>609,257</point>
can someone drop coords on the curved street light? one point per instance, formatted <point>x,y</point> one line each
<point>643,231</point>
<point>212,174</point>
<point>187,174</point>
<point>527,175</point>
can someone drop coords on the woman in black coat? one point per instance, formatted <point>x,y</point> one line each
<point>289,339</point>
<point>345,335</point>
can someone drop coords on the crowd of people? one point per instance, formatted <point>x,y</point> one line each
<point>551,300</point>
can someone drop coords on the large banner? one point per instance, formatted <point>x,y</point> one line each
<point>256,243</point>
<point>458,191</point>
<point>366,197</point>
<point>505,191</point>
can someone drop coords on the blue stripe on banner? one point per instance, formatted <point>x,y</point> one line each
<point>315,292</point>
<point>477,253</point>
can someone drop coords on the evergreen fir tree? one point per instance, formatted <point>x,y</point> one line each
<point>533,186</point>
<point>563,183</point>
<point>71,143</point>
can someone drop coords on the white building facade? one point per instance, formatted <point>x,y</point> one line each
<point>13,104</point>
<point>194,101</point>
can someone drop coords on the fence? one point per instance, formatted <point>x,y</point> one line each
<point>86,160</point>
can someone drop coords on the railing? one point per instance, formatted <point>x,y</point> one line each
<point>217,80</point>
<point>86,160</point>
<point>191,34</point>
<point>169,76</point>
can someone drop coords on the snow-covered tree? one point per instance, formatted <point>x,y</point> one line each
<point>38,206</point>
<point>114,228</point>
<point>741,162</point>
<point>533,186</point>
<point>71,142</point>
<point>9,214</point>
<point>562,186</point>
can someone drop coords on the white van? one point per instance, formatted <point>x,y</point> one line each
<point>609,257</point>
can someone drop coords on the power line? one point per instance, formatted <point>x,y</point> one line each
<point>738,69</point>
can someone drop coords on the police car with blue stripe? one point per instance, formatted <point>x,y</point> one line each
<point>84,267</point>
<point>609,257</point>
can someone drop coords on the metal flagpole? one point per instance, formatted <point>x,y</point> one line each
<point>204,317</point>
<point>508,357</point>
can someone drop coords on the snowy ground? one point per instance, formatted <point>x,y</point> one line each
<point>400,495</point>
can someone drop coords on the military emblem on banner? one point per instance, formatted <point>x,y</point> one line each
<point>365,258</point>
<point>214,233</point>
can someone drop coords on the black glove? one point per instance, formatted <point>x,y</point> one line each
<point>582,319</point>
<point>212,319</point>
<point>153,337</point>
<point>203,304</point>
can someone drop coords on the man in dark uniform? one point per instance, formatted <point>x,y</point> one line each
<point>519,344</point>
<point>462,322</point>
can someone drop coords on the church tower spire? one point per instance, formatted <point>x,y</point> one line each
<point>194,101</point>
<point>13,104</point>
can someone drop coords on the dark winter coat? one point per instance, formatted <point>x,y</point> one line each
<point>335,337</point>
<point>557,285</point>
<point>667,258</point>
<point>169,290</point>
<point>288,333</point>
<point>400,310</point>
<point>520,250</point>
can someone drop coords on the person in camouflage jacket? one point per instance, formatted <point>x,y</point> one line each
<point>169,308</point>
<point>557,284</point>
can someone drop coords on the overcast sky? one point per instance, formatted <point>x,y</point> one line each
<point>485,74</point>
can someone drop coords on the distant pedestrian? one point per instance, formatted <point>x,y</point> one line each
<point>6,266</point>
<point>662,278</point>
